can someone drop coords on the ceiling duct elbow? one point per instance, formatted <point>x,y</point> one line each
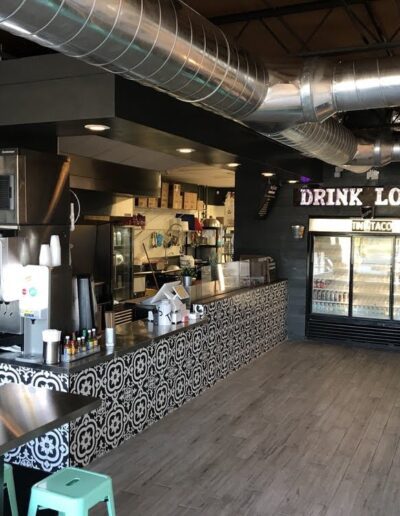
<point>329,141</point>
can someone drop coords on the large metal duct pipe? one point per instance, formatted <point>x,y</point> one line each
<point>162,43</point>
<point>165,44</point>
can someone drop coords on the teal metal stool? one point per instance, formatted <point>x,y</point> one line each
<point>72,492</point>
<point>10,486</point>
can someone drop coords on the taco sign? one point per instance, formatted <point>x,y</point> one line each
<point>352,196</point>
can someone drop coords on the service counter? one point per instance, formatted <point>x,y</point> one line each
<point>151,371</point>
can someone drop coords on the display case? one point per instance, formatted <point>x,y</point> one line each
<point>122,262</point>
<point>372,269</point>
<point>396,282</point>
<point>228,245</point>
<point>354,282</point>
<point>331,273</point>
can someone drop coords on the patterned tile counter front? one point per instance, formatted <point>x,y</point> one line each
<point>141,386</point>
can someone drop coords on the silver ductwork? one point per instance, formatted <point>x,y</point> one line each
<point>164,44</point>
<point>167,45</point>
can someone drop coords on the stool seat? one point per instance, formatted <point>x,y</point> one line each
<point>72,491</point>
<point>10,486</point>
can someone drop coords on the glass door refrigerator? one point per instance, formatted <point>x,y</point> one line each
<point>354,284</point>
<point>122,242</point>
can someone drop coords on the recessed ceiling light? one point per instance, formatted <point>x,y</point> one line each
<point>267,174</point>
<point>232,165</point>
<point>97,128</point>
<point>292,181</point>
<point>185,150</point>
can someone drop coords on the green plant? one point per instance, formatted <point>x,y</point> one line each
<point>189,271</point>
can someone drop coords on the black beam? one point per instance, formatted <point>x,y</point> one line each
<point>275,12</point>
<point>350,50</point>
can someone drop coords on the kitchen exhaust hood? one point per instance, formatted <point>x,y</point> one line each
<point>113,178</point>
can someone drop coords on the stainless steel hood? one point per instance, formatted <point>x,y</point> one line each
<point>102,176</point>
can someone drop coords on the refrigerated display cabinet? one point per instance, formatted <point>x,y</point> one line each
<point>122,242</point>
<point>354,285</point>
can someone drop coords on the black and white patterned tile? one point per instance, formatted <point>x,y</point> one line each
<point>143,386</point>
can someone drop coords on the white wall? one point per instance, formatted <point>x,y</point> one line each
<point>157,220</point>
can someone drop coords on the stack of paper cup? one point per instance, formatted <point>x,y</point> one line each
<point>45,255</point>
<point>50,255</point>
<point>55,249</point>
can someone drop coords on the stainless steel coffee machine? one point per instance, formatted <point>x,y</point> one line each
<point>34,204</point>
<point>10,270</point>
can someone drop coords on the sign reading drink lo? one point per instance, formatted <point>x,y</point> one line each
<point>352,196</point>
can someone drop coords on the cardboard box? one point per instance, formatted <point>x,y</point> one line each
<point>189,200</point>
<point>142,202</point>
<point>177,203</point>
<point>152,202</point>
<point>175,197</point>
<point>164,195</point>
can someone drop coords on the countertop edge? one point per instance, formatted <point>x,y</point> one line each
<point>105,355</point>
<point>223,295</point>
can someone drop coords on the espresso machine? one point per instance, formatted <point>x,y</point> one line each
<point>11,323</point>
<point>34,204</point>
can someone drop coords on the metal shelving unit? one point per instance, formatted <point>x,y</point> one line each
<point>203,251</point>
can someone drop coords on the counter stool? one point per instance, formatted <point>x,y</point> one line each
<point>72,492</point>
<point>9,485</point>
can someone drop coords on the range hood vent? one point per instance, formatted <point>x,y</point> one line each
<point>112,178</point>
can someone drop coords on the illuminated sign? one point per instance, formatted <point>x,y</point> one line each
<point>372,225</point>
<point>347,196</point>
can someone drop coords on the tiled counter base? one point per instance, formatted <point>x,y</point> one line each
<point>141,386</point>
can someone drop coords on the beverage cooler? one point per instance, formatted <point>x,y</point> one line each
<point>122,239</point>
<point>354,281</point>
<point>104,251</point>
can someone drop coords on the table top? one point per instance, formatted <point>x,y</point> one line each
<point>27,412</point>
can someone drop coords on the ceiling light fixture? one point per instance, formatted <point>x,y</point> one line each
<point>267,174</point>
<point>232,165</point>
<point>292,181</point>
<point>185,150</point>
<point>97,128</point>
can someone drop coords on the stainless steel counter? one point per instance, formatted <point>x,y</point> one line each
<point>130,336</point>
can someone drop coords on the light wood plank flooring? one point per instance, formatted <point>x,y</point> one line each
<point>307,429</point>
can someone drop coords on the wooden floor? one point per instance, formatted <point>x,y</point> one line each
<point>307,429</point>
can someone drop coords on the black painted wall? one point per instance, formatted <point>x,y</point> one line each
<point>273,237</point>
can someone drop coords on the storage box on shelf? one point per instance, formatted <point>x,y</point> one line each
<point>164,195</point>
<point>142,202</point>
<point>189,200</point>
<point>152,202</point>
<point>175,197</point>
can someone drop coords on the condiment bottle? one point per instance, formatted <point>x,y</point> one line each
<point>94,336</point>
<point>67,344</point>
<point>90,339</point>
